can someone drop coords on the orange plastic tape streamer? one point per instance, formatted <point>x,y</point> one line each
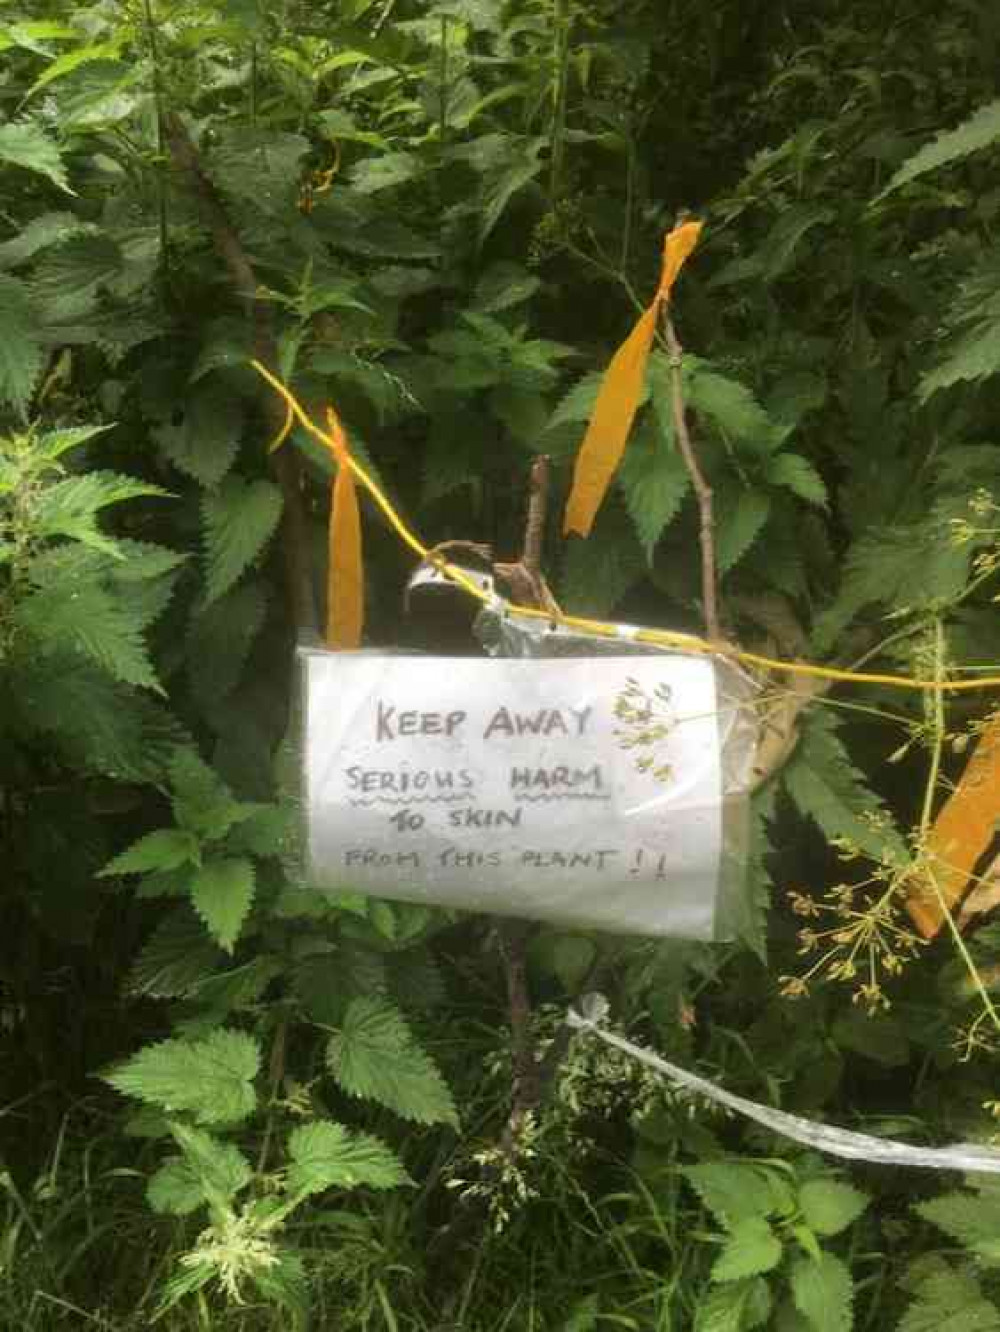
<point>962,832</point>
<point>345,602</point>
<point>620,393</point>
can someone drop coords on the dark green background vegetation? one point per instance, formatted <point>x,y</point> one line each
<point>231,1104</point>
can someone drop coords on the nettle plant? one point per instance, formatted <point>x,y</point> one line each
<point>440,218</point>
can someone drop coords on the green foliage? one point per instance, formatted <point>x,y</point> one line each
<point>501,180</point>
<point>23,143</point>
<point>978,132</point>
<point>212,1078</point>
<point>240,518</point>
<point>374,1055</point>
<point>222,894</point>
<point>827,787</point>
<point>21,357</point>
<point>950,1299</point>
<point>823,1290</point>
<point>325,1156</point>
<point>970,1217</point>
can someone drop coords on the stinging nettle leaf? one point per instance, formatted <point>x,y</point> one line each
<point>752,1248</point>
<point>655,481</point>
<point>176,958</point>
<point>827,787</point>
<point>164,850</point>
<point>950,1301</point>
<point>823,1291</point>
<point>798,475</point>
<point>210,1171</point>
<point>25,144</point>
<point>222,894</point>
<point>971,1218</point>
<point>240,519</point>
<point>324,1155</point>
<point>211,1079</point>
<point>375,1056</point>
<point>21,358</point>
<point>829,1206</point>
<point>980,131</point>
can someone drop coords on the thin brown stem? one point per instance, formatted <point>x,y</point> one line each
<point>534,527</point>
<point>702,490</point>
<point>295,537</point>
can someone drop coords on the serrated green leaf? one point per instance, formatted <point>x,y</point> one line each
<point>25,144</point>
<point>165,850</point>
<point>210,1171</point>
<point>738,525</point>
<point>211,1079</point>
<point>734,1307</point>
<point>726,404</point>
<point>829,1206</point>
<point>21,356</point>
<point>204,444</point>
<point>262,166</point>
<point>980,131</point>
<point>600,570</point>
<point>38,234</point>
<point>880,1037</point>
<point>375,1056</point>
<point>222,894</point>
<point>733,1191</point>
<point>577,406</point>
<point>971,1218</point>
<point>879,569</point>
<point>69,508</point>
<point>502,286</point>
<point>655,480</point>
<point>950,1301</point>
<point>266,831</point>
<point>72,60</point>
<point>373,174</point>
<point>828,788</point>
<point>324,1156</point>
<point>240,518</point>
<point>824,1292</point>
<point>175,959</point>
<point>202,802</point>
<point>238,987</point>
<point>175,1189</point>
<point>66,283</point>
<point>972,356</point>
<point>752,1248</point>
<point>798,475</point>
<point>219,642</point>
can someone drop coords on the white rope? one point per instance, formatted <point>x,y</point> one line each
<point>823,1137</point>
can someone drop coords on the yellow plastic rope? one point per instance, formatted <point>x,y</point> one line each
<point>600,628</point>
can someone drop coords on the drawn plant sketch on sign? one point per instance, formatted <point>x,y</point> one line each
<point>584,791</point>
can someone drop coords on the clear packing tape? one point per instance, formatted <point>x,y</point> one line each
<point>505,633</point>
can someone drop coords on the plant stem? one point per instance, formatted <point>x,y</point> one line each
<point>295,534</point>
<point>557,134</point>
<point>253,84</point>
<point>161,193</point>
<point>702,490</point>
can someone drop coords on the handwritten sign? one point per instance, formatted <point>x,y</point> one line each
<point>583,791</point>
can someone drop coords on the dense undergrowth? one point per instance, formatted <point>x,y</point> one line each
<point>230,1103</point>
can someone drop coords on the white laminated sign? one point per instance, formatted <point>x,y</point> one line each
<point>585,791</point>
